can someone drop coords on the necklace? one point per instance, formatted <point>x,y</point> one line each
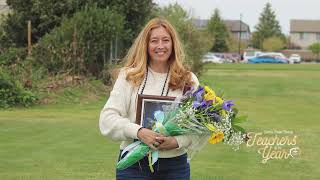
<point>164,85</point>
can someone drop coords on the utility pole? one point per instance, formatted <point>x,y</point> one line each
<point>29,39</point>
<point>74,53</point>
<point>28,83</point>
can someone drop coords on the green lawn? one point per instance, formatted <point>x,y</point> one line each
<point>64,142</point>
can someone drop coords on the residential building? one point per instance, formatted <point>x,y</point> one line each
<point>234,26</point>
<point>303,33</point>
<point>236,29</point>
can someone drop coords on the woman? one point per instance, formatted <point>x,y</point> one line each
<point>154,67</point>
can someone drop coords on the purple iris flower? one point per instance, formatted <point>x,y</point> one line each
<point>226,105</point>
<point>199,96</point>
<point>208,103</point>
<point>200,90</point>
<point>202,104</point>
<point>199,100</point>
<point>196,104</point>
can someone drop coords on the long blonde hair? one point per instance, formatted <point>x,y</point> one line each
<point>137,57</point>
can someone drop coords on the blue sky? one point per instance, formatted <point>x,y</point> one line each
<point>251,9</point>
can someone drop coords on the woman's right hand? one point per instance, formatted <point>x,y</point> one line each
<point>148,137</point>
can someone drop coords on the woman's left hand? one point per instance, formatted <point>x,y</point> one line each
<point>167,143</point>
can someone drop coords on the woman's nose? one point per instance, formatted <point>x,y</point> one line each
<point>161,44</point>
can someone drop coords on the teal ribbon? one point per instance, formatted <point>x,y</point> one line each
<point>159,127</point>
<point>159,116</point>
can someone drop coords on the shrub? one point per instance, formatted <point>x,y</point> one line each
<point>12,56</point>
<point>12,93</point>
<point>273,44</point>
<point>81,44</point>
<point>315,48</point>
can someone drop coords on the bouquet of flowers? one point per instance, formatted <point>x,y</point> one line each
<point>201,113</point>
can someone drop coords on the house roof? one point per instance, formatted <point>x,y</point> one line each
<point>304,25</point>
<point>232,25</point>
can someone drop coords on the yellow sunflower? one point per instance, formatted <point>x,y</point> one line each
<point>209,94</point>
<point>209,97</point>
<point>208,90</point>
<point>218,100</point>
<point>216,137</point>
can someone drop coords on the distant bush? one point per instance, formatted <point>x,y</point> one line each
<point>273,44</point>
<point>315,48</point>
<point>12,55</point>
<point>12,93</point>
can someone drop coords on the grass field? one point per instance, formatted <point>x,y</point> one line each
<point>63,141</point>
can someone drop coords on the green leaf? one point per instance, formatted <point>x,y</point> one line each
<point>235,110</point>
<point>238,128</point>
<point>239,119</point>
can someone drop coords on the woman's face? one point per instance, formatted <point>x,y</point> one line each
<point>159,45</point>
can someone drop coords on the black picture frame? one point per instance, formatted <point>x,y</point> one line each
<point>147,105</point>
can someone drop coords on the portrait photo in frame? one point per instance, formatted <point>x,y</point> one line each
<point>147,105</point>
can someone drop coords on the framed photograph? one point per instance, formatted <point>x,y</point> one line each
<point>146,107</point>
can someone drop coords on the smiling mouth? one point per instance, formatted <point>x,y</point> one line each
<point>160,53</point>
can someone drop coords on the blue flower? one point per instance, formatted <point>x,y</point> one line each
<point>202,104</point>
<point>196,104</point>
<point>199,92</point>
<point>226,105</point>
<point>199,100</point>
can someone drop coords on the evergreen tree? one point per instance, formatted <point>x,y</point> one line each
<point>267,27</point>
<point>217,28</point>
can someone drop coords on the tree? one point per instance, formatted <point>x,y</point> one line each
<point>195,42</point>
<point>315,48</point>
<point>48,14</point>
<point>44,16</point>
<point>218,30</point>
<point>81,44</point>
<point>3,38</point>
<point>178,17</point>
<point>268,26</point>
<point>136,14</point>
<point>273,44</point>
<point>233,45</point>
